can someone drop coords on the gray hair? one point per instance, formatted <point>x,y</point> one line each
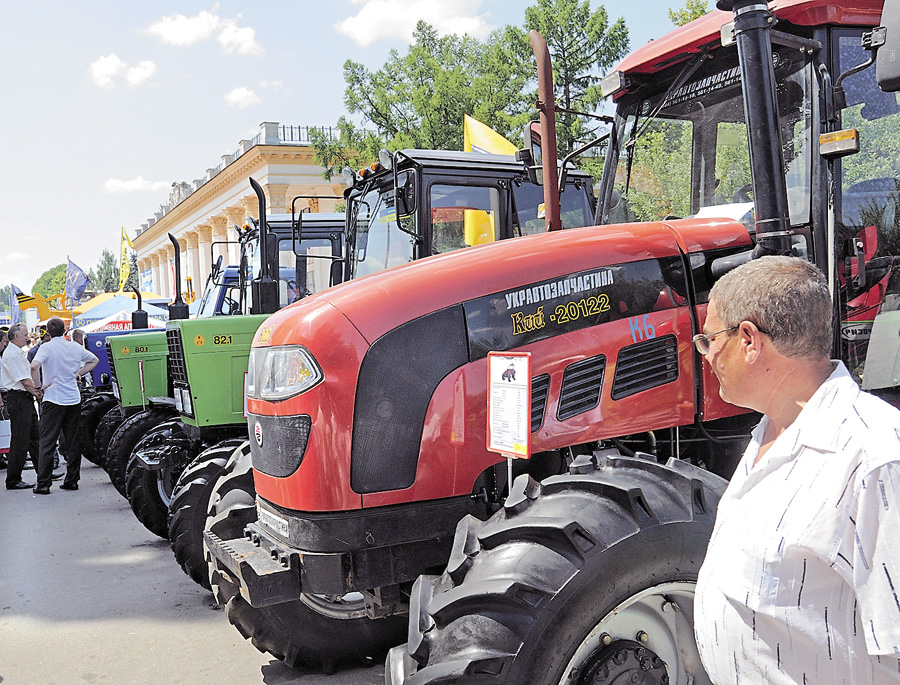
<point>786,297</point>
<point>14,329</point>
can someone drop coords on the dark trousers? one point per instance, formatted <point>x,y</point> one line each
<point>23,428</point>
<point>56,418</point>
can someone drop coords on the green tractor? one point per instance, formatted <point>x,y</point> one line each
<point>207,359</point>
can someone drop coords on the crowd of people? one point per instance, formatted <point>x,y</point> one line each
<point>40,373</point>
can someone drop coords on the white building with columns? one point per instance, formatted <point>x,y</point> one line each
<point>204,212</point>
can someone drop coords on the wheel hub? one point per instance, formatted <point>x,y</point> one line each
<point>623,662</point>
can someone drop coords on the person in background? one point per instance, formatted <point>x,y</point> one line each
<point>39,339</point>
<point>63,363</point>
<point>4,341</point>
<point>15,375</point>
<point>801,576</point>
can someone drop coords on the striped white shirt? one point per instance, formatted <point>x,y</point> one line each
<point>802,576</point>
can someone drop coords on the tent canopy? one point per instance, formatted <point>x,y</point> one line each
<point>118,322</point>
<point>115,305</point>
<point>146,298</point>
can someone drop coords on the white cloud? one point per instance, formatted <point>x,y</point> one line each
<point>271,85</point>
<point>396,19</point>
<point>115,185</point>
<point>241,97</point>
<point>181,30</point>
<point>105,71</point>
<point>137,75</point>
<point>178,29</point>
<point>235,39</point>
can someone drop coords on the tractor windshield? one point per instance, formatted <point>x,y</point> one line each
<point>682,151</point>
<point>375,241</point>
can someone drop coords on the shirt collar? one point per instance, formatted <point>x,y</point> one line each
<point>819,422</point>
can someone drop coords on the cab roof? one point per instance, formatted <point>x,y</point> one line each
<point>683,42</point>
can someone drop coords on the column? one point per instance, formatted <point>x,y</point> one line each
<point>198,280</point>
<point>142,265</point>
<point>204,235</point>
<point>277,200</point>
<point>250,206</point>
<point>156,284</point>
<point>234,216</point>
<point>220,233</point>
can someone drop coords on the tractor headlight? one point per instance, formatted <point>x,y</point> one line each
<point>277,373</point>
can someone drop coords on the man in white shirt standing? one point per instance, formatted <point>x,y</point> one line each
<point>63,363</point>
<point>15,376</point>
<point>801,579</point>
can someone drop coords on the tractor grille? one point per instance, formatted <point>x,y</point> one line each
<point>581,385</point>
<point>540,388</point>
<point>177,369</point>
<point>645,365</point>
<point>278,443</point>
<point>112,364</point>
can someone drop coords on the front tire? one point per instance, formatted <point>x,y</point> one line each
<point>317,631</point>
<point>92,410</point>
<point>150,491</point>
<point>124,440</point>
<point>587,577</point>
<point>190,506</point>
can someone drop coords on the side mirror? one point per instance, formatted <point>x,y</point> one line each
<point>533,157</point>
<point>405,193</point>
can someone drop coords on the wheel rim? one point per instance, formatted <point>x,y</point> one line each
<point>164,485</point>
<point>342,607</point>
<point>659,619</point>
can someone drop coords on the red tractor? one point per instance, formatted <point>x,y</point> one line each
<point>367,402</point>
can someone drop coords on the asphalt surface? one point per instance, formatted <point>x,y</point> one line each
<point>88,595</point>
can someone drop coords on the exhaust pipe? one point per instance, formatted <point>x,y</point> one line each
<point>178,309</point>
<point>139,318</point>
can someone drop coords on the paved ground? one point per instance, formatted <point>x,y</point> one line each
<point>88,595</point>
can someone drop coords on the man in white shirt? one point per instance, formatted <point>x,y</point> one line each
<point>63,363</point>
<point>801,579</point>
<point>15,376</point>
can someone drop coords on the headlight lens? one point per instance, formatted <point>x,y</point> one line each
<point>277,373</point>
<point>186,401</point>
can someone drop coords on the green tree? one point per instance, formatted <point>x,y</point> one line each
<point>107,270</point>
<point>51,282</point>
<point>5,292</point>
<point>418,100</point>
<point>134,278</point>
<point>693,9</point>
<point>583,47</point>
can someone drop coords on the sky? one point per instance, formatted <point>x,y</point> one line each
<point>104,104</point>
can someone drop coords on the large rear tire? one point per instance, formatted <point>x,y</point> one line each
<point>583,578</point>
<point>124,440</point>
<point>190,506</point>
<point>317,631</point>
<point>92,410</point>
<point>150,491</point>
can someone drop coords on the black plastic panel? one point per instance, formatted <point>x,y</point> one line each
<point>540,388</point>
<point>645,365</point>
<point>397,378</point>
<point>581,386</point>
<point>177,368</point>
<point>284,440</point>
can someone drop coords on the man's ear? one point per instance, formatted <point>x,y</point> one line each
<point>750,340</point>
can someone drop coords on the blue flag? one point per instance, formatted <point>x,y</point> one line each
<point>15,312</point>
<point>76,281</point>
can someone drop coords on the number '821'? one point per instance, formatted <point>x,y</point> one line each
<point>221,340</point>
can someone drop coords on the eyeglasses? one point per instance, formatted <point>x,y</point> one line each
<point>702,340</point>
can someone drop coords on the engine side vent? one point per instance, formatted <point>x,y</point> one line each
<point>540,388</point>
<point>645,365</point>
<point>177,368</point>
<point>112,364</point>
<point>581,386</point>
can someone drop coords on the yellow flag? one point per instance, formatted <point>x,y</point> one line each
<point>478,137</point>
<point>124,264</point>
